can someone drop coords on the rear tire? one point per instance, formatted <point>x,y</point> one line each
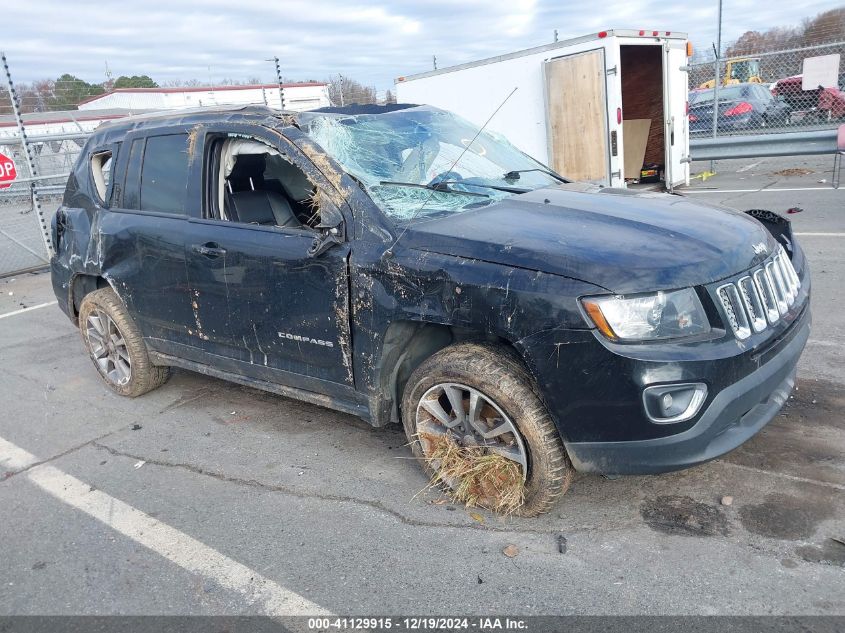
<point>501,378</point>
<point>116,346</point>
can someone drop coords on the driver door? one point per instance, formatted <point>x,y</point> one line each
<point>259,299</point>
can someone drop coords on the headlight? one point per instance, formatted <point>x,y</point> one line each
<point>647,317</point>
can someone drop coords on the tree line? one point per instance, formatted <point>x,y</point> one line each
<point>826,27</point>
<point>67,91</point>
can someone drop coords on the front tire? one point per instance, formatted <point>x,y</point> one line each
<point>116,346</point>
<point>452,387</point>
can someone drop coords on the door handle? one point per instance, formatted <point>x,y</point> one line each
<point>209,249</point>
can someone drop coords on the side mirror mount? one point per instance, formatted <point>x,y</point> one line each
<point>325,240</point>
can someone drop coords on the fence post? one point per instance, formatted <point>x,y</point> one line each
<point>279,81</point>
<point>30,162</point>
<point>717,77</point>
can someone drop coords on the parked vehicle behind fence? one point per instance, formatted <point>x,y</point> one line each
<point>742,107</point>
<point>815,105</point>
<point>401,265</point>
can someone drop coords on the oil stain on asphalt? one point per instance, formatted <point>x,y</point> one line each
<point>786,517</point>
<point>828,553</point>
<point>680,515</point>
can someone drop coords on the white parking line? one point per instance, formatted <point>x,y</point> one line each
<point>747,167</point>
<point>13,458</point>
<point>821,234</point>
<point>803,480</point>
<point>759,190</point>
<point>22,310</point>
<point>175,546</point>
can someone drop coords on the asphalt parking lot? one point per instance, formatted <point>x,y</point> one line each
<point>204,497</point>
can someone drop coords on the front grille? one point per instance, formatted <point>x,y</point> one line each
<point>760,299</point>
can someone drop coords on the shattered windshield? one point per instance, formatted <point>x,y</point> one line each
<point>406,160</point>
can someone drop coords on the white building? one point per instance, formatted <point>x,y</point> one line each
<point>64,122</point>
<point>297,96</point>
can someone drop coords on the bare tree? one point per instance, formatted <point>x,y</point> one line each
<point>345,91</point>
<point>828,26</point>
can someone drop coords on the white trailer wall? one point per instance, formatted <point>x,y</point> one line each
<point>522,119</point>
<point>476,89</point>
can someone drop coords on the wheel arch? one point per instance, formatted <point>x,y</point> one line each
<point>406,345</point>
<point>81,285</point>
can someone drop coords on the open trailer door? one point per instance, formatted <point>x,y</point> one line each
<point>576,106</point>
<point>675,95</point>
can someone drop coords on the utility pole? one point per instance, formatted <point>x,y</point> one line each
<point>434,61</point>
<point>555,35</point>
<point>341,90</point>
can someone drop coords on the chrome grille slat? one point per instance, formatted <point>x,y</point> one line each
<point>737,318</point>
<point>773,272</point>
<point>761,298</point>
<point>751,301</point>
<point>767,295</point>
<point>782,260</point>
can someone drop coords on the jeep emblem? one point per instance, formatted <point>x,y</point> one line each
<point>759,248</point>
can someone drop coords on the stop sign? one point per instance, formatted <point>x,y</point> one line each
<point>8,173</point>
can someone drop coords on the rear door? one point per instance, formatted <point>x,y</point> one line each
<point>675,95</point>
<point>258,299</point>
<point>143,235</point>
<point>576,108</point>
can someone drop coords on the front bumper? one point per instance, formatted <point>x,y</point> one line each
<point>734,415</point>
<point>593,388</point>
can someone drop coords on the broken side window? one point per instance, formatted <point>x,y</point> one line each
<point>257,184</point>
<point>101,163</point>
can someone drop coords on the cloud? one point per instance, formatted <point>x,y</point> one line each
<point>211,40</point>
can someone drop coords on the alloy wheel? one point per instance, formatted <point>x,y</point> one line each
<point>108,347</point>
<point>471,419</point>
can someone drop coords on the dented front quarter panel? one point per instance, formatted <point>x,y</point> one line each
<point>480,299</point>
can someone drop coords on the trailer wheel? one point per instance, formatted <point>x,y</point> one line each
<point>481,397</point>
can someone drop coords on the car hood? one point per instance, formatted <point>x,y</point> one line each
<point>615,238</point>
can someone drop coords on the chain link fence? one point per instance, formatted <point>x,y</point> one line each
<point>42,132</point>
<point>762,93</point>
<point>21,244</point>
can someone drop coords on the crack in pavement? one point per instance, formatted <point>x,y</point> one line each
<point>92,442</point>
<point>254,483</point>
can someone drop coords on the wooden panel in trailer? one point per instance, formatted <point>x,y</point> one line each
<point>577,115</point>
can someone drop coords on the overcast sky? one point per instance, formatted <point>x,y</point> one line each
<point>373,42</point>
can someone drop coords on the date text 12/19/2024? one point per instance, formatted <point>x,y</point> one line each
<point>424,623</point>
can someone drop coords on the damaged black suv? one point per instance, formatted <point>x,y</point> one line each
<point>398,264</point>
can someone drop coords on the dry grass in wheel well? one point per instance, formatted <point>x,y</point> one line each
<point>474,476</point>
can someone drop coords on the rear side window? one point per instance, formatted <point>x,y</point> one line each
<point>164,174</point>
<point>101,163</point>
<point>132,186</point>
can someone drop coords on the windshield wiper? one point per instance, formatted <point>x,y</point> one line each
<point>514,174</point>
<point>440,186</point>
<point>483,186</point>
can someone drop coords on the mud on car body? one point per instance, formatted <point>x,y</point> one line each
<point>397,264</point>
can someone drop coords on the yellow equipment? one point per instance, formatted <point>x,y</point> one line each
<point>739,71</point>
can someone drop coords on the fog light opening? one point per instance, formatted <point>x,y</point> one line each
<point>668,404</point>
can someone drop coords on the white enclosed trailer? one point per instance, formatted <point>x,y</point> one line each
<point>576,102</point>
